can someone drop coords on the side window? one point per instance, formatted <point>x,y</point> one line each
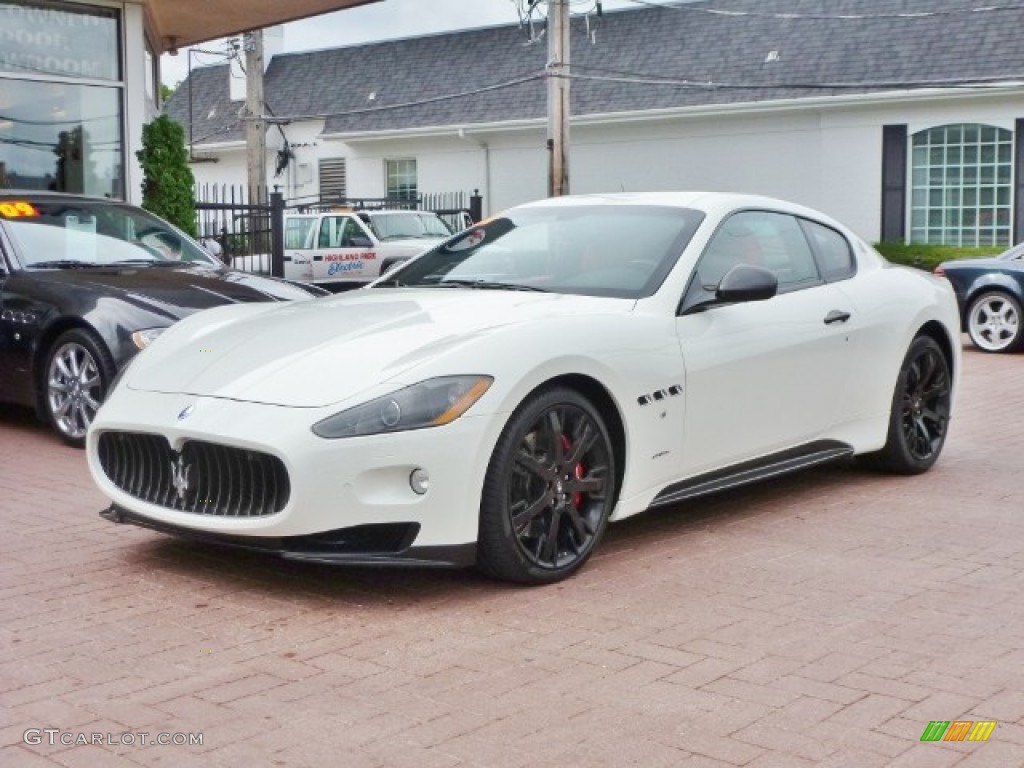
<point>351,230</point>
<point>331,229</point>
<point>835,257</point>
<point>296,232</point>
<point>764,239</point>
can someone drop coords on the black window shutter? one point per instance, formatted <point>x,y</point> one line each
<point>1018,181</point>
<point>894,183</point>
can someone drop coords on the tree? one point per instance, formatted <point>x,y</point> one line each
<point>167,180</point>
<point>166,91</point>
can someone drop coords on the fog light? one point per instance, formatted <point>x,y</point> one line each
<point>419,481</point>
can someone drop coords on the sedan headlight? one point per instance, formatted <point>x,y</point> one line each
<point>430,403</point>
<point>142,339</point>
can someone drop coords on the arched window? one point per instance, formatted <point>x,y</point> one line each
<point>961,178</point>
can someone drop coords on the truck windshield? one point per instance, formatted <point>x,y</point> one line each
<point>394,226</point>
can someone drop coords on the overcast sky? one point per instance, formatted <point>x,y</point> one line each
<point>380,21</point>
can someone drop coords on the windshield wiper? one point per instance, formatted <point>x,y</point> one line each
<point>485,285</point>
<point>160,262</point>
<point>63,264</point>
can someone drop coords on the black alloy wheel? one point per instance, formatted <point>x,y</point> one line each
<point>549,490</point>
<point>920,413</point>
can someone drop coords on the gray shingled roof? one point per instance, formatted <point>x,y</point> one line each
<point>683,43</point>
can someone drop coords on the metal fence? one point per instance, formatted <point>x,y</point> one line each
<point>245,227</point>
<point>242,226</point>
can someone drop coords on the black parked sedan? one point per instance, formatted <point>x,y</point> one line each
<point>85,284</point>
<point>990,293</point>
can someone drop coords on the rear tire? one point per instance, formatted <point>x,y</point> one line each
<point>919,415</point>
<point>78,373</point>
<point>549,490</point>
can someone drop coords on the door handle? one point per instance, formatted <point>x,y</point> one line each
<point>836,316</point>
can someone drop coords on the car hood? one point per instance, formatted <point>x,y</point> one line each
<point>174,291</point>
<point>313,354</point>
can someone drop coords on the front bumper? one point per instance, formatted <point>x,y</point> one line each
<point>337,487</point>
<point>363,545</point>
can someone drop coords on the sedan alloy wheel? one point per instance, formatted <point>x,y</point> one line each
<point>994,322</point>
<point>76,379</point>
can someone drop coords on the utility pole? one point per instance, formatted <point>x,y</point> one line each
<point>255,128</point>
<point>558,97</point>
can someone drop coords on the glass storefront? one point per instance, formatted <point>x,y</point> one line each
<point>61,98</point>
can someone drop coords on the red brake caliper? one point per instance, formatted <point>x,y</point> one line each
<point>580,471</point>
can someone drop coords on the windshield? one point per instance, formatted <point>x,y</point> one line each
<point>59,232</point>
<point>623,251</point>
<point>393,226</point>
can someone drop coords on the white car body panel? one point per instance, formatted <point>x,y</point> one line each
<point>261,376</point>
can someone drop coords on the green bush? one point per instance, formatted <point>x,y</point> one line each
<point>930,256</point>
<point>167,181</point>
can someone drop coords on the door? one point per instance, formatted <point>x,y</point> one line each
<point>761,376</point>
<point>299,243</point>
<point>345,252</point>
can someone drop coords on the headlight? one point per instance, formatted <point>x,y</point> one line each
<point>142,339</point>
<point>430,403</point>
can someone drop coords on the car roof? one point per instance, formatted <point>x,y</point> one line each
<point>710,202</point>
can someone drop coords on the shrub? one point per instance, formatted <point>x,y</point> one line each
<point>930,256</point>
<point>167,180</point>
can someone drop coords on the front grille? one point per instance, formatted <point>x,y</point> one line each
<point>205,478</point>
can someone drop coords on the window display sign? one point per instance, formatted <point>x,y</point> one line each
<point>50,38</point>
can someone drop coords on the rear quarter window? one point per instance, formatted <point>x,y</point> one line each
<point>831,249</point>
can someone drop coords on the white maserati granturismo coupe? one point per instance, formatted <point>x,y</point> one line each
<point>501,398</point>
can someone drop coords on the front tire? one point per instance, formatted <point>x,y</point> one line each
<point>994,322</point>
<point>78,372</point>
<point>549,491</point>
<point>919,416</point>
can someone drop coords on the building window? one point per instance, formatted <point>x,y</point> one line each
<point>401,178</point>
<point>961,178</point>
<point>61,98</point>
<point>40,37</point>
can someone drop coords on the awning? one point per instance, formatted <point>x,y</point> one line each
<point>186,22</point>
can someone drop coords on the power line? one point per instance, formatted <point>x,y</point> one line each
<point>687,8</point>
<point>634,78</point>
<point>416,103</point>
<point>579,72</point>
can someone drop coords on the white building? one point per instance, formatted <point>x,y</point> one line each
<point>902,118</point>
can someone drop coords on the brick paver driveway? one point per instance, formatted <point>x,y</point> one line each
<point>823,619</point>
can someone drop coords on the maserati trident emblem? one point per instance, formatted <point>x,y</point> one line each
<point>186,412</point>
<point>179,476</point>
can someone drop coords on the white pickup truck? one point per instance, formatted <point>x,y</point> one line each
<point>335,248</point>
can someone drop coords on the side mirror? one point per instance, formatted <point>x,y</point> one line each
<point>360,242</point>
<point>745,282</point>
